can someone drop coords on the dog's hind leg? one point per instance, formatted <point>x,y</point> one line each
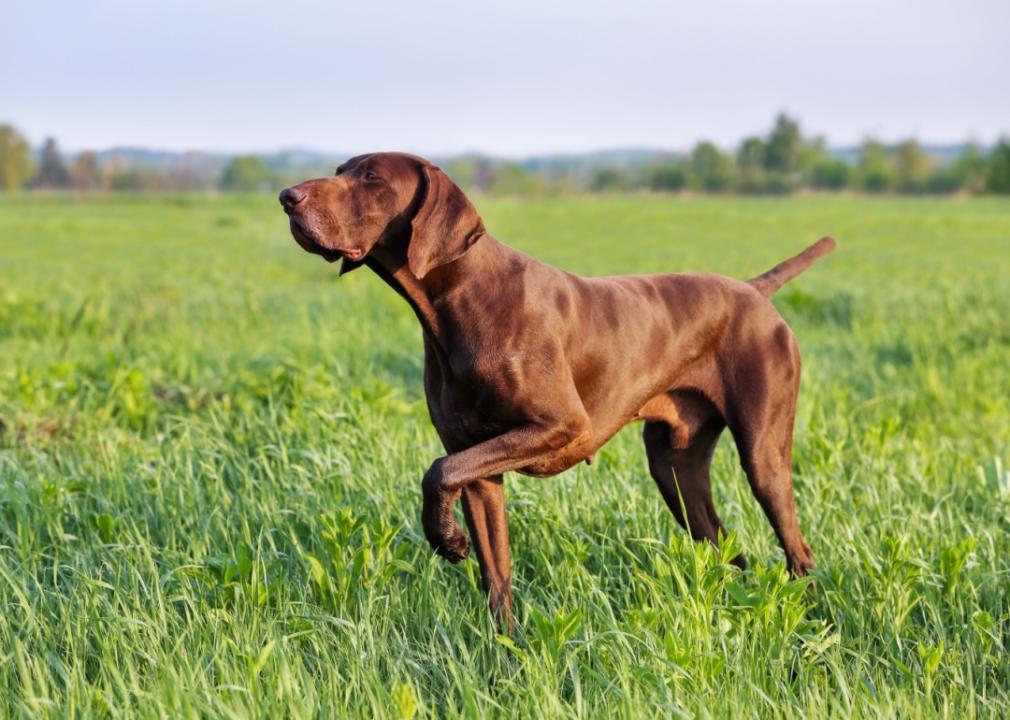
<point>682,475</point>
<point>766,460</point>
<point>484,509</point>
<point>761,411</point>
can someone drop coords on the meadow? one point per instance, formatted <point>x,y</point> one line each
<point>211,451</point>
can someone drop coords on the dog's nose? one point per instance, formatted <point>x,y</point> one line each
<point>290,197</point>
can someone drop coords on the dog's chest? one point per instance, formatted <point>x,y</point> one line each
<point>481,396</point>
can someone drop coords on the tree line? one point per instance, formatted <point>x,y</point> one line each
<point>783,161</point>
<point>86,171</point>
<point>780,162</point>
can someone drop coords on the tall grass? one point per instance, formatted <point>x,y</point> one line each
<point>211,453</point>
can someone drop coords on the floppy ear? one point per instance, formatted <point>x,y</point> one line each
<point>445,226</point>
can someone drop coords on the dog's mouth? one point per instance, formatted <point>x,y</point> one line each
<point>307,239</point>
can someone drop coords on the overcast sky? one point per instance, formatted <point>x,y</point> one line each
<point>511,78</point>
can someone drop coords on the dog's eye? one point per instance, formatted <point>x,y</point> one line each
<point>370,176</point>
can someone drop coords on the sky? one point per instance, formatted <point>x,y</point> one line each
<point>513,78</point>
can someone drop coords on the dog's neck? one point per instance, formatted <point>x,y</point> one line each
<point>390,264</point>
<point>434,298</point>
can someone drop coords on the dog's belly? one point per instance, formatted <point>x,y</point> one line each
<point>466,417</point>
<point>684,411</point>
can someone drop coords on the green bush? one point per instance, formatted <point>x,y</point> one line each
<point>247,174</point>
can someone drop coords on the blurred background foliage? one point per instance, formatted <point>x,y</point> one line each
<point>781,161</point>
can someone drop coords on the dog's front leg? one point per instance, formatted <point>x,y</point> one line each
<point>484,510</point>
<point>438,517</point>
<point>448,476</point>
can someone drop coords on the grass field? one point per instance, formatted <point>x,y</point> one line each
<point>211,455</point>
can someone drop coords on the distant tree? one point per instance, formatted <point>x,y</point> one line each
<point>829,173</point>
<point>559,181</point>
<point>85,173</point>
<point>943,180</point>
<point>912,167</point>
<point>665,176</point>
<point>189,177</point>
<point>15,159</point>
<point>709,168</point>
<point>125,180</point>
<point>52,171</point>
<point>777,183</point>
<point>997,178</point>
<point>874,170</point>
<point>481,174</point>
<point>140,179</point>
<point>812,152</point>
<point>751,154</point>
<point>750,161</point>
<point>463,171</point>
<point>820,170</point>
<point>969,168</point>
<point>513,179</point>
<point>782,150</point>
<point>606,179</point>
<point>246,173</point>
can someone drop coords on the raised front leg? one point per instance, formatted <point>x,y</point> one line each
<point>484,510</point>
<point>449,476</point>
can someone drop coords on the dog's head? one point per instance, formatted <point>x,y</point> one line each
<point>377,198</point>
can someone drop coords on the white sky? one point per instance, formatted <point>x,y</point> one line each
<point>512,78</point>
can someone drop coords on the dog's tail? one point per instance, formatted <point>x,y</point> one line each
<point>770,282</point>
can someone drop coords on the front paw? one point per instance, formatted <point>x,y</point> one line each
<point>440,527</point>
<point>451,545</point>
<point>455,547</point>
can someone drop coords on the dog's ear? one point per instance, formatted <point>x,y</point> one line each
<point>445,226</point>
<point>347,265</point>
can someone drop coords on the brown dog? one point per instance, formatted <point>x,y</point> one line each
<point>532,369</point>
